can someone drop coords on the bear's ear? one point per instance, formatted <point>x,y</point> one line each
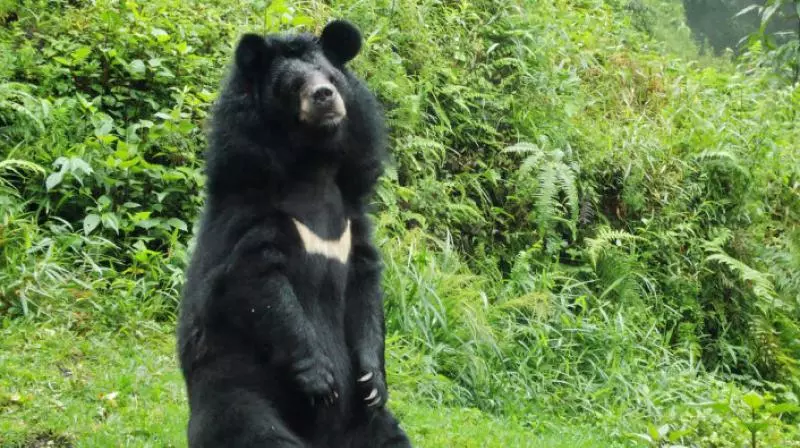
<point>253,54</point>
<point>340,41</point>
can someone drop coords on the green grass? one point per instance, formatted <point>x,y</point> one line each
<point>103,389</point>
<point>95,389</point>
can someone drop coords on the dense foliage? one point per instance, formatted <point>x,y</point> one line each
<point>580,222</point>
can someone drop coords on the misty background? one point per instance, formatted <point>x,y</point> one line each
<point>716,26</point>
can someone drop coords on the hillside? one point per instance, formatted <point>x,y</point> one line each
<point>591,234</point>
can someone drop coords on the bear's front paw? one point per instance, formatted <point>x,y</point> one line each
<point>315,378</point>
<point>372,388</point>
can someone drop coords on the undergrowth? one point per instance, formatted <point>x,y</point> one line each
<point>580,223</point>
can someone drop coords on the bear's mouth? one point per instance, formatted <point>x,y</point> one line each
<point>327,119</point>
<point>331,118</point>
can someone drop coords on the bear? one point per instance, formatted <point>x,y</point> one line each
<point>281,327</point>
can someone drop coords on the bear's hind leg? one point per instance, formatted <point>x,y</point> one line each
<point>380,430</point>
<point>239,419</point>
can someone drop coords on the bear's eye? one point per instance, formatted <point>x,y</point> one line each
<point>296,85</point>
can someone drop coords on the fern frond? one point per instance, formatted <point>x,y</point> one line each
<point>568,184</point>
<point>530,164</point>
<point>760,282</point>
<point>524,147</point>
<point>17,165</point>
<point>604,240</point>
<point>554,175</point>
<point>725,158</point>
<point>546,195</point>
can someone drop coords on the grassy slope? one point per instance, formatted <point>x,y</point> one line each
<point>124,389</point>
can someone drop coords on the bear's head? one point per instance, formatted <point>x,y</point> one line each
<point>300,80</point>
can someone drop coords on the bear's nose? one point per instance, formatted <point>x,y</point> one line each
<point>322,94</point>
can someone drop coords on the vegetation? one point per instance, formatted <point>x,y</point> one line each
<point>590,238</point>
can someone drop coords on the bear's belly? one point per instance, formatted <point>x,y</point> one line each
<point>318,273</point>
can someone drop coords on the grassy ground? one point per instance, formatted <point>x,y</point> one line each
<point>61,387</point>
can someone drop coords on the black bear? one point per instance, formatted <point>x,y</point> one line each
<point>281,330</point>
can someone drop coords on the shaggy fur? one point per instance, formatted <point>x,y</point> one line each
<point>282,344</point>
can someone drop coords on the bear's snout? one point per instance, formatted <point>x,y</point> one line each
<point>321,103</point>
<point>322,95</point>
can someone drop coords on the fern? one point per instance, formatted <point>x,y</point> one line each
<point>759,282</point>
<point>569,185</point>
<point>524,147</point>
<point>605,239</point>
<point>20,107</point>
<point>420,153</point>
<point>554,179</point>
<point>16,167</point>
<point>725,159</point>
<point>546,195</point>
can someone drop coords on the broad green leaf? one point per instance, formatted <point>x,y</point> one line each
<point>81,53</point>
<point>654,433</point>
<point>76,164</point>
<point>90,222</point>
<point>676,435</point>
<point>54,179</point>
<point>160,35</point>
<point>104,126</point>
<point>110,221</point>
<point>183,48</point>
<point>753,400</point>
<point>177,223</point>
<point>784,408</point>
<point>303,21</point>
<point>757,426</point>
<point>147,223</point>
<point>137,67</point>
<point>185,127</point>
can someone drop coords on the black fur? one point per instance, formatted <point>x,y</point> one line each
<point>273,340</point>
